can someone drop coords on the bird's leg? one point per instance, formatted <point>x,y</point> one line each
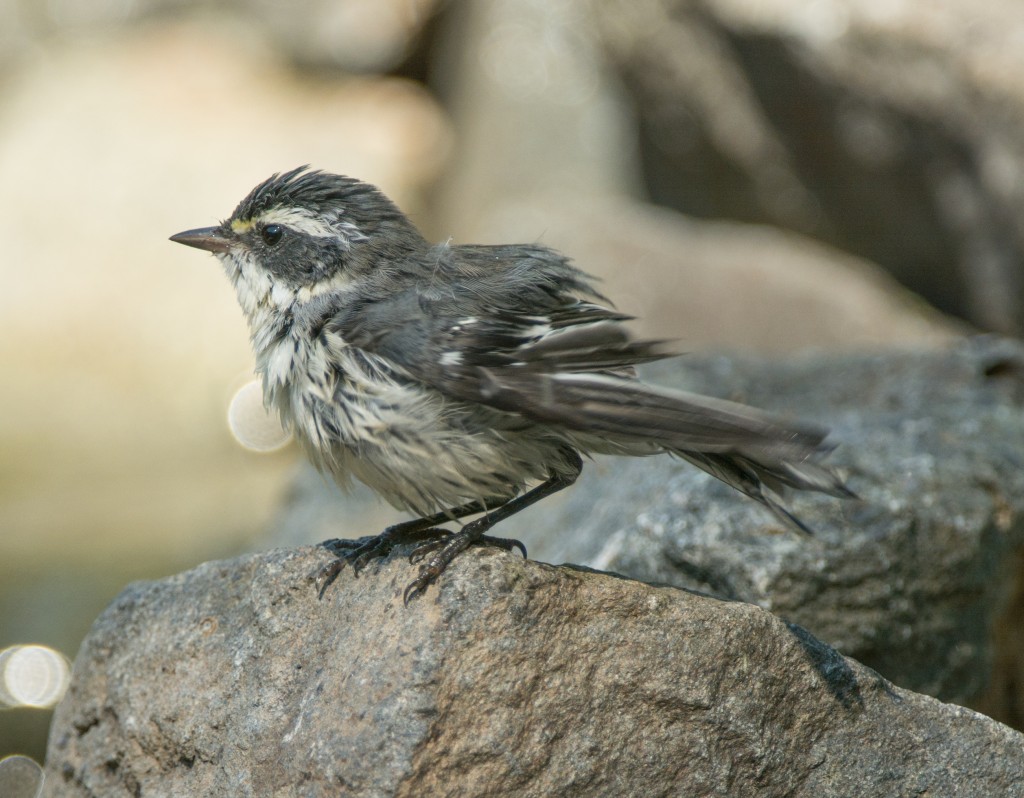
<point>358,552</point>
<point>443,551</point>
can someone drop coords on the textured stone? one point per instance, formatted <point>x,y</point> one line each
<point>911,579</point>
<point>914,579</point>
<point>510,677</point>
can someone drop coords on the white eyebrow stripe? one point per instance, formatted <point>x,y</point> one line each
<point>299,219</point>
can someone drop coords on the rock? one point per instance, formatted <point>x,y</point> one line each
<point>532,82</point>
<point>911,580</point>
<point>367,36</point>
<point>888,131</point>
<point>725,286</point>
<point>536,108</point>
<point>507,678</point>
<point>914,579</point>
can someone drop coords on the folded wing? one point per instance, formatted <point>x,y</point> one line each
<point>571,367</point>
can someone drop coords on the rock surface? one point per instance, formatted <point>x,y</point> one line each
<point>510,677</point>
<point>914,580</point>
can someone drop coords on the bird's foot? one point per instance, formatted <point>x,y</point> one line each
<point>508,544</point>
<point>440,545</point>
<point>359,551</point>
<point>443,550</point>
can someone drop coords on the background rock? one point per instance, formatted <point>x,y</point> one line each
<point>739,287</point>
<point>889,131</point>
<point>362,36</point>
<point>510,677</point>
<point>538,114</point>
<point>911,579</point>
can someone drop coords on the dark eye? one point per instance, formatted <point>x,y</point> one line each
<point>271,234</point>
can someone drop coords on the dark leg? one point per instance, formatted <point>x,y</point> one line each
<point>360,551</point>
<point>445,550</point>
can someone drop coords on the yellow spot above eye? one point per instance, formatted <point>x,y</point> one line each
<point>241,226</point>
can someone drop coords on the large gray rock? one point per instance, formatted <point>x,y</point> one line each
<point>532,82</point>
<point>912,579</point>
<point>509,678</point>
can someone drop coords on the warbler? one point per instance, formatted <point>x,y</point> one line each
<point>463,380</point>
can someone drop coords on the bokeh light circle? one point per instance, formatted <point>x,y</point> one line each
<point>33,676</point>
<point>20,777</point>
<point>251,424</point>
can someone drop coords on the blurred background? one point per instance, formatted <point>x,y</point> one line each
<point>761,176</point>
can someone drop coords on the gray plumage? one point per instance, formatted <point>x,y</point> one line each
<point>451,378</point>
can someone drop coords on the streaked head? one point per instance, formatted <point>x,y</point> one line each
<point>304,231</point>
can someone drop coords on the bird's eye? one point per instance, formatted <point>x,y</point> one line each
<point>271,234</point>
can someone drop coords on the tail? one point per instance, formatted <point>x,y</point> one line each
<point>766,482</point>
<point>755,452</point>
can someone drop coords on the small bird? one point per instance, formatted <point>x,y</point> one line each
<point>463,380</point>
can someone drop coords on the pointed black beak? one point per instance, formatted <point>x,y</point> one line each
<point>212,239</point>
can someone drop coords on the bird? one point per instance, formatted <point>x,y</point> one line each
<point>464,380</point>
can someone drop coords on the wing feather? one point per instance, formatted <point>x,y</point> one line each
<point>565,361</point>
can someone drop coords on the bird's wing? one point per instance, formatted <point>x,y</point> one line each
<point>566,362</point>
<point>524,308</point>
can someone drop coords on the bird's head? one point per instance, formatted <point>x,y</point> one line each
<point>303,233</point>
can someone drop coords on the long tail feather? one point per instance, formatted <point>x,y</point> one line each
<point>755,452</point>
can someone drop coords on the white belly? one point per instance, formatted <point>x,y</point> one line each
<point>419,450</point>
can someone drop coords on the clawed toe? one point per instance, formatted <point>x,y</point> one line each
<point>418,585</point>
<point>508,544</point>
<point>342,546</point>
<point>436,550</point>
<point>421,552</point>
<point>359,552</point>
<point>327,574</point>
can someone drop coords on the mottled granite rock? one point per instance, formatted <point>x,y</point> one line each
<point>912,579</point>
<point>509,678</point>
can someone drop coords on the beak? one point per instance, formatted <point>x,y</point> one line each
<point>212,239</point>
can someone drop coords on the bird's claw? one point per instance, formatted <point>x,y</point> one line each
<point>327,574</point>
<point>508,544</point>
<point>360,551</point>
<point>357,553</point>
<point>444,550</point>
<point>441,546</point>
<point>420,552</point>
<point>418,585</point>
